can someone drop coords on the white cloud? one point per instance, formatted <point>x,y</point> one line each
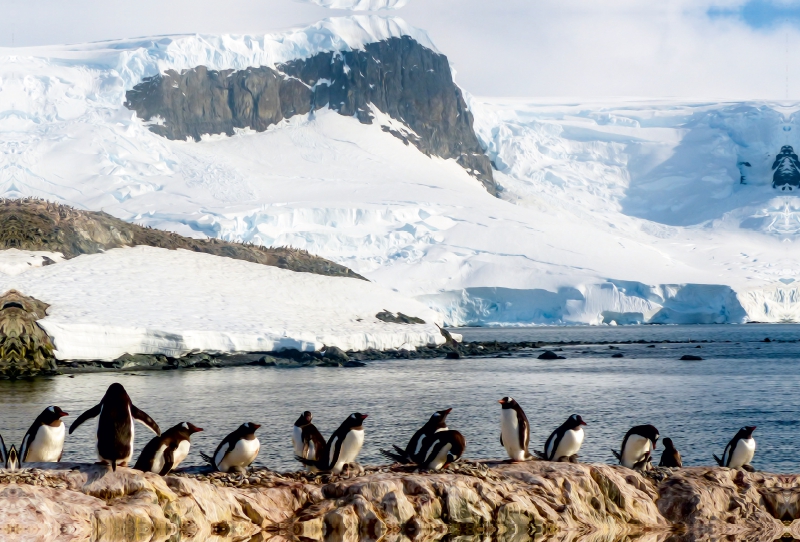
<point>359,5</point>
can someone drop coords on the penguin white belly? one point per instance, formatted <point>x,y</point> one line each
<point>351,446</point>
<point>509,429</point>
<point>635,449</point>
<point>47,445</point>
<point>297,441</point>
<point>180,453</point>
<point>743,453</point>
<point>158,459</point>
<point>439,461</point>
<point>570,444</point>
<point>242,455</point>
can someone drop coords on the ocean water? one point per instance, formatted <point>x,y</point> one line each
<point>699,404</point>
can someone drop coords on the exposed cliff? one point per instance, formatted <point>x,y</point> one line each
<point>511,502</point>
<point>399,77</point>
<point>33,224</point>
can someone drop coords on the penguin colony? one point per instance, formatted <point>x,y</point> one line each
<point>432,447</point>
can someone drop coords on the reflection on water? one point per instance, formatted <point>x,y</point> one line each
<point>700,405</point>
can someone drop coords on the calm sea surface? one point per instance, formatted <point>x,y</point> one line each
<point>700,405</point>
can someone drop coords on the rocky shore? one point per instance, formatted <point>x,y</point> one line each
<point>491,499</point>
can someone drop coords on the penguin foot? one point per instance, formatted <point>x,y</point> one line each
<point>573,458</point>
<point>563,459</point>
<point>748,468</point>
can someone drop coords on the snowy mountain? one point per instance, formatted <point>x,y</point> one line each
<point>623,212</point>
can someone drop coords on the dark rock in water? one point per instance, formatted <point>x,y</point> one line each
<point>336,354</point>
<point>767,340</point>
<point>549,354</point>
<point>399,77</point>
<point>25,349</point>
<point>453,355</point>
<point>618,355</point>
<point>689,357</point>
<point>354,364</point>
<point>399,318</point>
<point>33,224</point>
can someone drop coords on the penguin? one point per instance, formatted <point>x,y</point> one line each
<point>343,446</point>
<point>445,447</point>
<point>564,442</point>
<point>12,460</point>
<point>3,452</point>
<point>308,441</point>
<point>44,441</point>
<point>115,426</point>
<point>515,432</point>
<point>238,450</point>
<point>636,446</point>
<point>670,457</point>
<point>740,450</point>
<point>415,449</point>
<point>164,453</point>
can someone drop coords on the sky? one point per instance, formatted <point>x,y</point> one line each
<point>694,49</point>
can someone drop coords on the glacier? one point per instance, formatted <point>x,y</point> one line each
<point>610,212</point>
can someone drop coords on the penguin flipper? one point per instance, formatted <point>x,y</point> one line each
<point>89,414</point>
<point>3,451</point>
<point>207,458</point>
<point>394,456</point>
<point>306,462</point>
<point>718,460</point>
<point>501,440</point>
<point>540,454</point>
<point>617,455</point>
<point>169,459</point>
<point>142,416</point>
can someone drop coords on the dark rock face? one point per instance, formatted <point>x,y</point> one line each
<point>25,349</point>
<point>398,76</point>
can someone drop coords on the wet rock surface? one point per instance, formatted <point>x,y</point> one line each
<point>404,80</point>
<point>33,224</point>
<point>520,501</point>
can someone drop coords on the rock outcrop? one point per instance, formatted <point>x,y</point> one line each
<point>25,349</point>
<point>516,502</point>
<point>399,77</point>
<point>33,224</point>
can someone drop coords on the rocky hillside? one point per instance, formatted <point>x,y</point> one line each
<point>32,224</point>
<point>518,502</point>
<point>399,77</point>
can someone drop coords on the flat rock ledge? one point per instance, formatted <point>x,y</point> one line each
<point>519,502</point>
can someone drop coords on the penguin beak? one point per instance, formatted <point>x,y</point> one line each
<point>502,401</point>
<point>63,414</point>
<point>583,422</point>
<point>364,416</point>
<point>448,411</point>
<point>256,426</point>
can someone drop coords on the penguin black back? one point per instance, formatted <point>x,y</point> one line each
<point>670,457</point>
<point>414,451</point>
<point>308,441</point>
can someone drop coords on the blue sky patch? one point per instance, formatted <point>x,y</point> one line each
<point>761,13</point>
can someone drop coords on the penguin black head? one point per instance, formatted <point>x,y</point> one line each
<point>190,428</point>
<point>116,392</point>
<point>440,416</point>
<point>747,431</point>
<point>304,419</point>
<point>649,432</point>
<point>51,414</point>
<point>575,421</point>
<point>668,444</point>
<point>248,428</point>
<point>355,419</point>
<point>508,402</point>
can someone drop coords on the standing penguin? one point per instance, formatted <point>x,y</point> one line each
<point>44,441</point>
<point>307,440</point>
<point>343,446</point>
<point>416,448</point>
<point>115,426</point>
<point>3,452</point>
<point>670,457</point>
<point>515,432</point>
<point>164,453</point>
<point>444,448</point>
<point>564,442</point>
<point>237,451</point>
<point>740,450</point>
<point>637,446</point>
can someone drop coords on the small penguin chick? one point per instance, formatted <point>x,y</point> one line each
<point>308,442</point>
<point>670,457</point>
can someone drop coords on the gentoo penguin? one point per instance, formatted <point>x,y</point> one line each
<point>636,446</point>
<point>115,426</point>
<point>308,441</point>
<point>670,457</point>
<point>3,452</point>
<point>564,442</point>
<point>740,450</point>
<point>238,450</point>
<point>343,446</point>
<point>164,453</point>
<point>415,451</point>
<point>44,441</point>
<point>515,432</point>
<point>443,448</point>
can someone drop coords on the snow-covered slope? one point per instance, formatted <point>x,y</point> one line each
<point>155,301</point>
<point>625,212</point>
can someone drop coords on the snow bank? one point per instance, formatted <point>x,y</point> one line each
<point>156,301</point>
<point>360,5</point>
